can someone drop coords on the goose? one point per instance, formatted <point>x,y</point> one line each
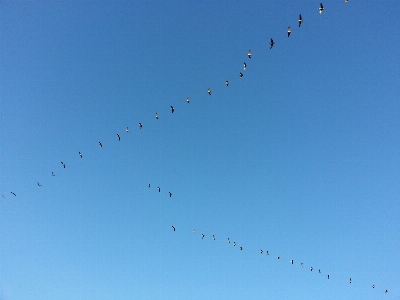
<point>127,130</point>
<point>213,237</point>
<point>267,253</point>
<point>300,20</point>
<point>240,75</point>
<point>228,240</point>
<point>311,269</point>
<point>241,248</point>
<point>234,244</point>
<point>202,236</point>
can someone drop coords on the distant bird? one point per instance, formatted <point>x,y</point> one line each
<point>187,100</point>
<point>386,291</point>
<point>350,280</point>
<point>346,1</point>
<point>13,194</point>
<point>2,196</point>
<point>240,75</point>
<point>39,184</point>
<point>140,125</point>
<point>288,31</point>
<point>328,276</point>
<point>63,164</point>
<point>261,251</point>
<point>170,194</point>
<point>321,8</point>
<point>311,269</point>
<point>373,286</point>
<point>157,116</point>
<point>278,257</point>
<point>292,261</point>
<point>202,236</point>
<point>234,244</point>
<point>227,83</point>
<point>241,248</point>
<point>213,237</point>
<point>228,240</point>
<point>300,20</point>
<point>101,145</point>
<point>301,264</point>
<point>209,91</point>
<point>249,54</point>
<point>319,271</point>
<point>244,66</point>
<point>172,109</point>
<point>119,137</point>
<point>127,129</point>
<point>52,174</point>
<point>266,253</point>
<point>271,43</point>
<point>80,154</point>
<point>149,185</point>
<point>173,228</point>
<point>194,230</point>
<point>159,190</point>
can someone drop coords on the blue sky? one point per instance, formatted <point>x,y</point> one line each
<point>300,157</point>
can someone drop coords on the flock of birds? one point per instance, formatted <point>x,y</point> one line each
<point>249,55</point>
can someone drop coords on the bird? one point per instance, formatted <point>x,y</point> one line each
<point>240,75</point>
<point>319,271</point>
<point>213,237</point>
<point>2,196</point>
<point>301,264</point>
<point>119,137</point>
<point>170,194</point>
<point>159,190</point>
<point>228,240</point>
<point>311,269</point>
<point>227,83</point>
<point>202,236</point>
<point>194,230</point>
<point>271,43</point>
<point>149,185</point>
<point>328,276</point>
<point>278,257</point>
<point>127,129</point>
<point>373,286</point>
<point>288,31</point>
<point>39,184</point>
<point>101,145</point>
<point>52,174</point>
<point>350,281</point>
<point>261,251</point>
<point>157,116</point>
<point>241,248</point>
<point>209,91</point>
<point>172,109</point>
<point>321,8</point>
<point>80,154</point>
<point>249,54</point>
<point>173,228</point>
<point>63,164</point>
<point>386,291</point>
<point>266,253</point>
<point>140,125</point>
<point>234,244</point>
<point>300,20</point>
<point>244,66</point>
<point>346,1</point>
<point>14,194</point>
<point>188,100</point>
<point>292,261</point>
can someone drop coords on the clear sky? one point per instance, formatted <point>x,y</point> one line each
<point>299,158</point>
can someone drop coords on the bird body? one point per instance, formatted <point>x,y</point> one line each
<point>127,129</point>
<point>202,236</point>
<point>159,190</point>
<point>271,43</point>
<point>170,194</point>
<point>14,194</point>
<point>187,100</point>
<point>157,116</point>
<point>249,54</point>
<point>172,109</point>
<point>351,281</point>
<point>119,137</point>
<point>213,237</point>
<point>63,164</point>
<point>292,261</point>
<point>300,20</point>
<point>52,174</point>
<point>227,83</point>
<point>101,145</point>
<point>173,228</point>
<point>80,154</point>
<point>240,75</point>
<point>288,31</point>
<point>321,8</point>
<point>149,185</point>
<point>39,184</point>
<point>244,66</point>
<point>209,91</point>
<point>140,125</point>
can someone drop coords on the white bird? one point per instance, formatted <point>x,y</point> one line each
<point>213,238</point>
<point>157,116</point>
<point>194,230</point>
<point>244,66</point>
<point>234,244</point>
<point>321,8</point>
<point>249,54</point>
<point>188,100</point>
<point>311,269</point>
<point>227,83</point>
<point>229,241</point>
<point>209,91</point>
<point>202,236</point>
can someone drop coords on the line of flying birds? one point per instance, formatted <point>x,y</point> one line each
<point>271,44</point>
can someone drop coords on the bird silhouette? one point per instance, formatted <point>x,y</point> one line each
<point>149,185</point>
<point>170,194</point>
<point>157,116</point>
<point>328,276</point>
<point>80,154</point>
<point>209,91</point>
<point>228,240</point>
<point>14,194</point>
<point>202,236</point>
<point>288,31</point>
<point>240,75</point>
<point>127,129</point>
<point>118,136</point>
<point>101,145</point>
<point>244,66</point>
<point>301,264</point>
<point>267,253</point>
<point>278,257</point>
<point>300,20</point>
<point>386,291</point>
<point>63,164</point>
<point>319,271</point>
<point>159,190</point>
<point>52,174</point>
<point>194,230</point>
<point>172,109</point>
<point>213,237</point>
<point>351,281</point>
<point>249,54</point>
<point>261,251</point>
<point>321,8</point>
<point>39,184</point>
<point>227,83</point>
<point>187,100</point>
<point>311,269</point>
<point>271,43</point>
<point>140,125</point>
<point>241,248</point>
<point>173,228</point>
<point>292,261</point>
<point>373,286</point>
<point>234,244</point>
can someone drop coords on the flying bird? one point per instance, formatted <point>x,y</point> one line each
<point>386,291</point>
<point>346,1</point>
<point>328,276</point>
<point>234,244</point>
<point>13,194</point>
<point>159,190</point>
<point>373,286</point>
<point>202,236</point>
<point>172,109</point>
<point>127,129</point>
<point>140,125</point>
<point>261,251</point>
<point>52,174</point>
<point>118,136</point>
<point>209,91</point>
<point>149,185</point>
<point>227,83</point>
<point>213,238</point>
<point>187,100</point>
<point>319,271</point>
<point>244,66</point>
<point>240,75</point>
<point>39,184</point>
<point>157,116</point>
<point>80,154</point>
<point>266,253</point>
<point>278,257</point>
<point>170,194</point>
<point>194,230</point>
<point>173,228</point>
<point>241,248</point>
<point>249,54</point>
<point>228,240</point>
<point>2,196</point>
<point>300,20</point>
<point>63,164</point>
<point>292,261</point>
<point>311,269</point>
<point>321,8</point>
<point>301,264</point>
<point>101,145</point>
<point>350,280</point>
<point>271,43</point>
<point>288,31</point>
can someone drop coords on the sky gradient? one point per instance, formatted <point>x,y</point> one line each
<point>300,157</point>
